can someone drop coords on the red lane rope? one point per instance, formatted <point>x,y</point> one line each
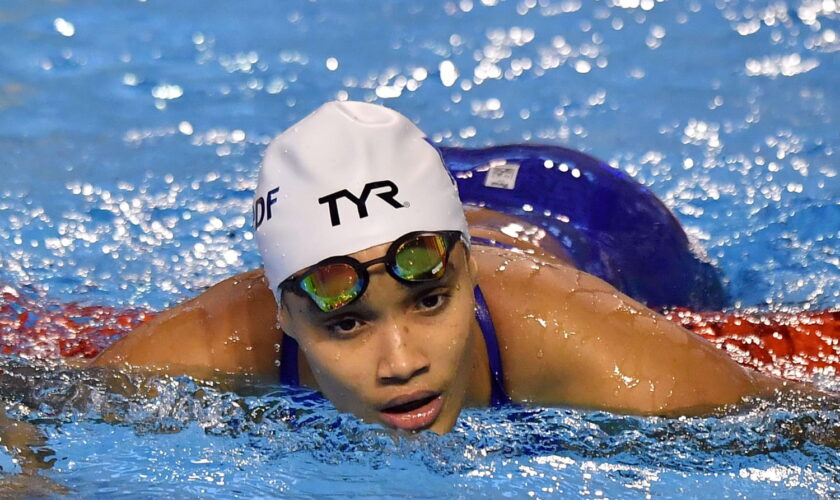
<point>31,328</point>
<point>794,346</point>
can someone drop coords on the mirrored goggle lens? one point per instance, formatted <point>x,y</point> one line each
<point>422,258</point>
<point>332,286</point>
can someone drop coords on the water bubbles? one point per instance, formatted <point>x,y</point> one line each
<point>582,66</point>
<point>637,73</point>
<point>186,129</point>
<point>448,73</point>
<point>654,40</point>
<point>598,98</point>
<point>774,66</point>
<point>700,132</point>
<point>276,86</point>
<point>130,79</point>
<point>64,27</point>
<point>167,92</point>
<point>230,257</point>
<point>491,108</point>
<point>419,74</point>
<point>749,27</point>
<point>657,31</point>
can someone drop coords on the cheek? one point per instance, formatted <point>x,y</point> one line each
<point>342,371</point>
<point>331,360</point>
<point>448,336</point>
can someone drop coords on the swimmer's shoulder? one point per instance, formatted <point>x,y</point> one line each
<point>230,328</point>
<point>516,287</point>
<point>569,338</point>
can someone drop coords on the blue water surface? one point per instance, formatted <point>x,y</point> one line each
<point>130,137</point>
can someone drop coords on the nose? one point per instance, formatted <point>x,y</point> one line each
<point>401,358</point>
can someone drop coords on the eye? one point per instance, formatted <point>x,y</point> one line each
<point>345,327</point>
<point>432,301</point>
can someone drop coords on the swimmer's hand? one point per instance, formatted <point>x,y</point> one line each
<point>29,486</point>
<point>26,443</point>
<point>137,382</point>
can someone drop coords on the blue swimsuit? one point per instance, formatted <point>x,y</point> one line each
<point>611,226</point>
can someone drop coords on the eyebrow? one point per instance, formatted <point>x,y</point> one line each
<point>358,308</point>
<point>415,290</point>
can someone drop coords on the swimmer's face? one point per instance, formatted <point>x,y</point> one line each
<point>400,355</point>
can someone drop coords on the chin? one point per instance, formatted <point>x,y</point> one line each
<point>448,416</point>
<point>444,425</point>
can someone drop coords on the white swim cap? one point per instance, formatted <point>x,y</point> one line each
<point>348,177</point>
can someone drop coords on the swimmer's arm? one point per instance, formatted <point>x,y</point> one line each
<point>26,443</point>
<point>229,328</point>
<point>587,345</point>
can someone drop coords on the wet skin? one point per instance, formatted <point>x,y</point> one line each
<point>566,338</point>
<point>397,344</point>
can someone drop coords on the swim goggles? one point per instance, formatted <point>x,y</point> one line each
<point>337,281</point>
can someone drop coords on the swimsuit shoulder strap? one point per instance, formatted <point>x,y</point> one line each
<point>498,395</point>
<point>289,361</point>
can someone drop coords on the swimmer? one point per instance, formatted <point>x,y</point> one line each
<point>376,292</point>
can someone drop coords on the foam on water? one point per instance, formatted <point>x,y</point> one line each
<point>195,438</point>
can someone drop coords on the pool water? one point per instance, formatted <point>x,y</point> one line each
<point>130,137</point>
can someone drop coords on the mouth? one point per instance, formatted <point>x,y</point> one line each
<point>412,412</point>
